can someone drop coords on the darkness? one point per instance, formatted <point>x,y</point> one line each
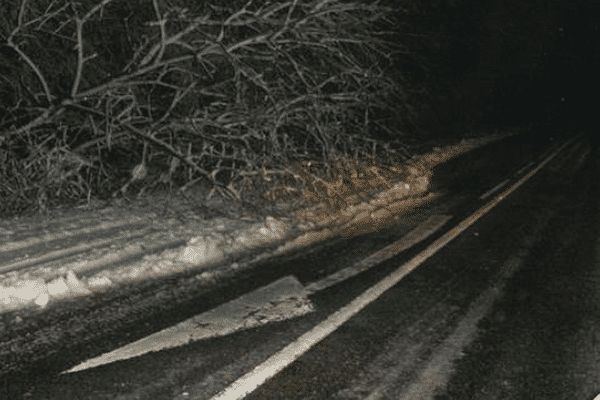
<point>575,64</point>
<point>511,62</point>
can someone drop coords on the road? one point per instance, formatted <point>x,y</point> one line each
<point>505,309</point>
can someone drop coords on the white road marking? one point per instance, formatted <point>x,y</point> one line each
<point>519,172</point>
<point>283,299</point>
<point>418,234</point>
<point>493,190</point>
<point>280,360</point>
<point>437,372</point>
<point>280,300</point>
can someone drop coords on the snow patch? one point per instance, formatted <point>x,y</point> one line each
<point>58,288</point>
<point>200,250</point>
<point>23,293</point>
<point>76,287</point>
<point>99,282</point>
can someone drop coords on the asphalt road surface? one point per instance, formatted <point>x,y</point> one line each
<point>506,309</point>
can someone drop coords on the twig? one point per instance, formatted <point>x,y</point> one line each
<point>75,87</point>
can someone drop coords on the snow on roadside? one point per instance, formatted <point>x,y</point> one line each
<point>34,287</point>
<point>218,239</point>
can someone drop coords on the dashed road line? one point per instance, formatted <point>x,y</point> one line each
<point>415,236</point>
<point>436,374</point>
<point>280,300</point>
<point>494,190</point>
<point>280,360</point>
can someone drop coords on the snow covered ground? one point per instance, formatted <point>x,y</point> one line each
<point>76,252</point>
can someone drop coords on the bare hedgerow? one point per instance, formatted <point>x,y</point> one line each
<point>187,91</point>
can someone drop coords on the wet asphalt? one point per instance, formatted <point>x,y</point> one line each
<point>542,340</point>
<point>409,320</point>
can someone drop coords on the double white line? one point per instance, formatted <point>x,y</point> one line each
<point>280,360</point>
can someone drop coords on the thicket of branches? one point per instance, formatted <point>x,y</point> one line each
<point>102,94</point>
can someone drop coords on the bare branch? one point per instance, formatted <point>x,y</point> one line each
<point>21,13</point>
<point>43,118</point>
<point>185,159</point>
<point>161,22</point>
<point>95,9</point>
<point>79,27</point>
<point>150,56</point>
<point>36,70</point>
